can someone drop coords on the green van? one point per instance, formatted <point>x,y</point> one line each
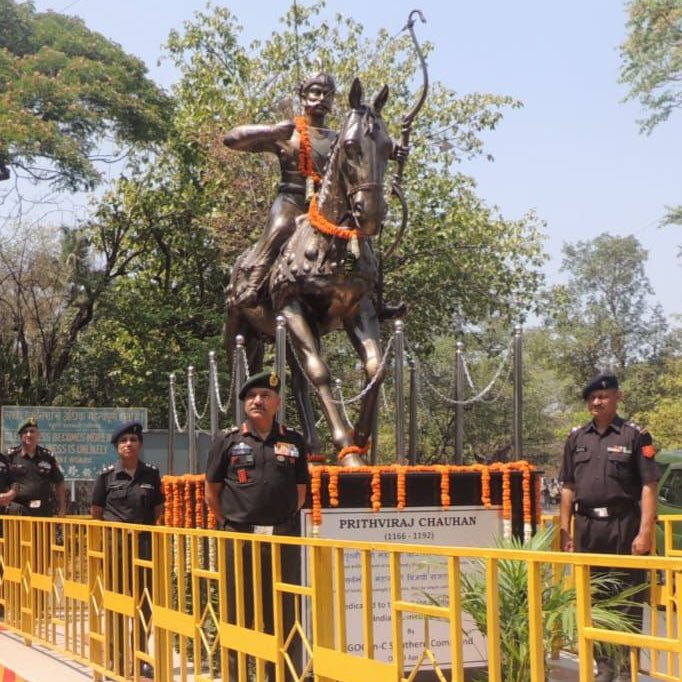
<point>669,495</point>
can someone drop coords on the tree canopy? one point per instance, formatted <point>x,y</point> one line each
<point>63,90</point>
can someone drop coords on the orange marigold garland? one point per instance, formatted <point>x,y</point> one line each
<point>444,486</point>
<point>319,222</point>
<point>305,154</point>
<point>333,486</point>
<point>315,487</point>
<point>188,508</point>
<point>401,491</point>
<point>376,490</point>
<point>199,506</point>
<point>185,500</point>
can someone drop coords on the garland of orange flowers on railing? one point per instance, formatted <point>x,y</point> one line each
<point>319,222</point>
<point>186,507</point>
<point>305,154</point>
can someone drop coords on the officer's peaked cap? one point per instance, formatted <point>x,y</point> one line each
<point>128,427</point>
<point>27,423</point>
<point>600,383</point>
<point>262,380</point>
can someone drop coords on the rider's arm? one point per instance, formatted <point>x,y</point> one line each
<point>258,138</point>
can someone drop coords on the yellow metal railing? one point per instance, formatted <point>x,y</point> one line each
<point>114,596</point>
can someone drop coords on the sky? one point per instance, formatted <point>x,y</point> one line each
<point>573,153</point>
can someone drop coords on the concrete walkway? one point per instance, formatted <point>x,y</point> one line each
<point>35,664</point>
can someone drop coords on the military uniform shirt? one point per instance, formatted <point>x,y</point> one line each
<point>609,468</point>
<point>259,477</point>
<point>32,477</point>
<point>125,499</point>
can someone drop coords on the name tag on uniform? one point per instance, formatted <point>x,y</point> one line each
<point>577,450</point>
<point>44,465</point>
<point>619,448</point>
<point>263,530</point>
<point>286,450</point>
<point>34,504</point>
<point>147,485</point>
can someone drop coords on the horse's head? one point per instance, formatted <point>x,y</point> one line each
<point>364,147</point>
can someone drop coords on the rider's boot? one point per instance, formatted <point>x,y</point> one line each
<point>248,296</point>
<point>392,312</point>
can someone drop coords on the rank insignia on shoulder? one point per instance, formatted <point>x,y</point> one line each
<point>574,429</point>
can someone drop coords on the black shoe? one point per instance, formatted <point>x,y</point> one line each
<point>392,312</point>
<point>146,671</point>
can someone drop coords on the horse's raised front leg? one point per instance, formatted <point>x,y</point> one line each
<point>363,331</point>
<point>306,346</point>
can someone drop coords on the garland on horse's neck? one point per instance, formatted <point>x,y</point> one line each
<point>305,166</point>
<point>319,222</point>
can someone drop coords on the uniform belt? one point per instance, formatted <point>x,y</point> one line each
<point>249,527</point>
<point>609,512</point>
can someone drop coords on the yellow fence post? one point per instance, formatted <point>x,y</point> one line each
<point>322,616</point>
<point>584,617</point>
<point>493,620</point>
<point>536,629</point>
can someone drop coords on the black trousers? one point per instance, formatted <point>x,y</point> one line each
<point>291,573</point>
<point>614,535</point>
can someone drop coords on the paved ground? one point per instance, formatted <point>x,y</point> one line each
<point>36,664</point>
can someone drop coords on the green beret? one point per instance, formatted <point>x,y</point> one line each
<point>262,380</point>
<point>30,422</point>
<point>600,383</point>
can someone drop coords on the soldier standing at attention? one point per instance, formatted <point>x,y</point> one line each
<point>256,481</point>
<point>33,471</point>
<point>609,484</point>
<point>130,492</point>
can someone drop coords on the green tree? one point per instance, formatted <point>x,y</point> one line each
<point>603,318</point>
<point>182,219</point>
<point>652,66</point>
<point>63,89</point>
<point>652,58</point>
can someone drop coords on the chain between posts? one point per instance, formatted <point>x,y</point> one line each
<point>364,391</point>
<point>180,429</point>
<point>474,399</point>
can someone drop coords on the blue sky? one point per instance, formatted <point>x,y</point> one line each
<point>573,153</point>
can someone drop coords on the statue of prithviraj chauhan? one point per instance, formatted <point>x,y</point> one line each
<point>302,147</point>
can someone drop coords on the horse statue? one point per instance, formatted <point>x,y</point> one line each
<point>324,279</point>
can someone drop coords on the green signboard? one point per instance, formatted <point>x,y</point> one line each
<point>78,436</point>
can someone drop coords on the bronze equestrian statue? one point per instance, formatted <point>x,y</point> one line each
<point>325,275</point>
<point>298,182</point>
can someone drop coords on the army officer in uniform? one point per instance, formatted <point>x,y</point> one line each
<point>256,481</point>
<point>33,471</point>
<point>130,492</point>
<point>609,485</point>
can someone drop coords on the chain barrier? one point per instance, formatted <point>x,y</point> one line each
<point>176,419</point>
<point>245,361</point>
<point>193,403</point>
<point>470,381</point>
<point>364,391</point>
<point>479,397</point>
<point>342,402</point>
<point>216,386</point>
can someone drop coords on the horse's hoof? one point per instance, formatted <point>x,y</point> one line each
<point>353,460</point>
